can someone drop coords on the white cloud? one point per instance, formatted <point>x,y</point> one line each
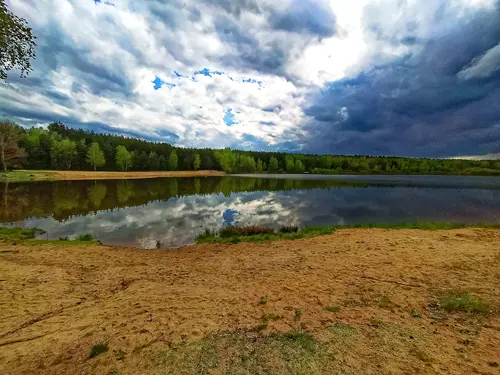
<point>482,66</point>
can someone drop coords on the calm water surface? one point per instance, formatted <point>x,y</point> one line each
<point>174,210</point>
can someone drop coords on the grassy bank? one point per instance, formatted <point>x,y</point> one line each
<point>423,225</point>
<point>236,234</point>
<point>29,175</point>
<point>29,236</point>
<point>24,176</point>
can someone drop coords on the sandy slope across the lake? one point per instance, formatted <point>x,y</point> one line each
<point>26,175</point>
<point>200,309</point>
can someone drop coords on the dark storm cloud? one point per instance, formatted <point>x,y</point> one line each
<point>55,51</point>
<point>235,7</point>
<point>420,104</point>
<point>305,16</point>
<point>288,32</point>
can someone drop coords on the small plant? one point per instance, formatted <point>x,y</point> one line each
<point>289,229</point>
<point>120,355</point>
<point>333,309</point>
<point>270,317</point>
<point>303,326</point>
<point>297,314</point>
<point>493,364</point>
<point>88,334</point>
<point>260,327</point>
<point>459,301</point>
<point>63,238</point>
<point>98,349</point>
<point>87,237</point>
<point>385,302</point>
<point>415,313</point>
<point>262,301</point>
<point>343,330</point>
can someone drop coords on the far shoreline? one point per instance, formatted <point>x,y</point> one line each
<point>23,175</point>
<point>55,175</point>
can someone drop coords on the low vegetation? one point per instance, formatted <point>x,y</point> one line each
<point>85,237</point>
<point>461,301</point>
<point>423,225</point>
<point>98,349</point>
<point>236,234</point>
<point>247,353</point>
<point>30,235</point>
<point>333,309</point>
<point>19,233</point>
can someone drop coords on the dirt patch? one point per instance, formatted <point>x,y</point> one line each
<point>199,309</point>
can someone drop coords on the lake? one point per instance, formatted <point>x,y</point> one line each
<point>174,210</point>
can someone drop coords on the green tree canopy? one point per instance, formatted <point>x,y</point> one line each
<point>123,158</point>
<point>289,164</point>
<point>226,159</point>
<point>95,156</point>
<point>17,43</point>
<point>273,164</point>
<point>62,152</point>
<point>153,161</point>
<point>299,167</point>
<point>260,166</point>
<point>196,162</point>
<point>173,161</point>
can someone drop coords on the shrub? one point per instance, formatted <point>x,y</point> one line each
<point>333,308</point>
<point>289,229</point>
<point>465,302</point>
<point>98,349</point>
<point>85,237</point>
<point>415,314</point>
<point>297,314</point>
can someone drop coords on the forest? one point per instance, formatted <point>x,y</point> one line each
<point>61,147</point>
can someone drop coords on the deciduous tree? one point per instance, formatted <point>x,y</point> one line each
<point>17,43</point>
<point>196,162</point>
<point>172,161</point>
<point>10,153</point>
<point>123,158</point>
<point>95,156</point>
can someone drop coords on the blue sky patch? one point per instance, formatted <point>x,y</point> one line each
<point>252,80</point>
<point>229,117</point>
<point>159,83</point>
<point>229,216</point>
<point>208,73</point>
<point>105,2</point>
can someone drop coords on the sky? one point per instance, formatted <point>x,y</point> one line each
<point>376,77</point>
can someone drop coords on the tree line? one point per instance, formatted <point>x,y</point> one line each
<point>61,147</point>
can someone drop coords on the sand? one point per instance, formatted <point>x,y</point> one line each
<point>56,302</point>
<point>89,175</point>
